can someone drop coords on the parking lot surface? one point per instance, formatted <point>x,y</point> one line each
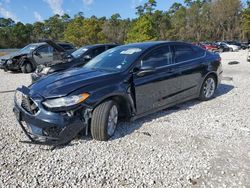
<point>202,144</point>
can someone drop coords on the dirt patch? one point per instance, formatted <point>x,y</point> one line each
<point>2,53</point>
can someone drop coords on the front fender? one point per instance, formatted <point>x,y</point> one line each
<point>110,91</point>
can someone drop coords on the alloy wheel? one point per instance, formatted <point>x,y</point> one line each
<point>209,87</point>
<point>112,120</point>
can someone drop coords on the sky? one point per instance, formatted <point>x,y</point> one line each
<point>30,11</point>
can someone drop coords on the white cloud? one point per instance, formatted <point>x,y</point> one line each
<point>56,6</point>
<point>7,14</point>
<point>38,17</point>
<point>87,2</point>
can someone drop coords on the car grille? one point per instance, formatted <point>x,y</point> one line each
<point>29,105</point>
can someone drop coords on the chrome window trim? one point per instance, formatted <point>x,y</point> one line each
<point>183,61</point>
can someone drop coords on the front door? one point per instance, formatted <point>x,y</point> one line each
<point>159,88</point>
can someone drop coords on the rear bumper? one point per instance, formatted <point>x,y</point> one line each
<point>50,128</point>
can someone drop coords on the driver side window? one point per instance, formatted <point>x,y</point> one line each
<point>158,57</point>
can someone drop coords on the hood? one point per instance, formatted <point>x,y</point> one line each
<point>56,46</point>
<point>63,83</point>
<point>11,55</point>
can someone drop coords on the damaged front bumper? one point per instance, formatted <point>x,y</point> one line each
<point>45,127</point>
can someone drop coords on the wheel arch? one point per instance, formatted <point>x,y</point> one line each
<point>124,104</point>
<point>214,74</point>
<point>211,73</point>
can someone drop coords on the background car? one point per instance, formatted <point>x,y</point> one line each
<point>78,58</point>
<point>210,46</point>
<point>127,82</point>
<point>232,46</point>
<point>32,55</point>
<point>244,45</point>
<point>222,47</point>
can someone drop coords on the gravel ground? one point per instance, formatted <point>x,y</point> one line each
<point>196,144</point>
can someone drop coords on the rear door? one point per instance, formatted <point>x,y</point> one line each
<point>159,88</point>
<point>189,60</point>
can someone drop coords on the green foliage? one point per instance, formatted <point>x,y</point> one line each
<point>246,23</point>
<point>141,30</point>
<point>81,31</point>
<point>195,20</point>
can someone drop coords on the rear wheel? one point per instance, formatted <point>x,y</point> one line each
<point>104,120</point>
<point>26,67</point>
<point>208,88</point>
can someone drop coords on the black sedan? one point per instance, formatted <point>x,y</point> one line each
<point>126,82</point>
<point>78,58</point>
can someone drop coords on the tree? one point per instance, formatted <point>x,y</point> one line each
<point>81,31</point>
<point>245,23</point>
<point>115,29</point>
<point>147,8</point>
<point>142,30</point>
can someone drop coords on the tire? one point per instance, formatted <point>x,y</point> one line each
<point>26,67</point>
<point>207,92</point>
<point>100,121</point>
<point>231,49</point>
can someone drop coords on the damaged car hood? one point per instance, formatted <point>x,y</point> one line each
<point>12,55</point>
<point>63,83</point>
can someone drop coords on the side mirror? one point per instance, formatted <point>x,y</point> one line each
<point>87,57</point>
<point>145,70</point>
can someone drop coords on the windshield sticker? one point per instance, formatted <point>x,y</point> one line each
<point>131,51</point>
<point>119,67</point>
<point>83,49</point>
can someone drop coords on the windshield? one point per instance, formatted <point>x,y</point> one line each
<point>28,48</point>
<point>116,59</point>
<point>79,52</point>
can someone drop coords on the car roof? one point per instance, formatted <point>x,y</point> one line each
<point>149,44</point>
<point>43,43</point>
<point>98,45</point>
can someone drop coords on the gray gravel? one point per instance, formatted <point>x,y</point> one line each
<point>202,144</point>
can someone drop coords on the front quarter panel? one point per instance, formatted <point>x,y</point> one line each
<point>104,90</point>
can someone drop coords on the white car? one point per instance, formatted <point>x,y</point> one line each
<point>232,47</point>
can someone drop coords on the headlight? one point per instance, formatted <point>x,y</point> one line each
<point>66,101</point>
<point>18,97</point>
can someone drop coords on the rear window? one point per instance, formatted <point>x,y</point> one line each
<point>198,51</point>
<point>187,52</point>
